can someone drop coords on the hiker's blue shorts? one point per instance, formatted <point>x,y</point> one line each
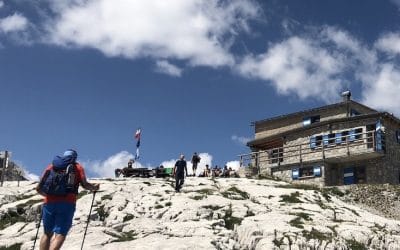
<point>57,217</point>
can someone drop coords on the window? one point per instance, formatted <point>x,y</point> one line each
<point>331,138</point>
<point>358,133</point>
<point>318,142</point>
<point>315,141</point>
<point>370,135</point>
<point>310,120</point>
<point>370,127</point>
<point>277,155</point>
<point>398,136</point>
<point>345,136</point>
<point>360,174</point>
<point>304,172</point>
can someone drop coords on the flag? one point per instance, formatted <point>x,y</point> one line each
<point>137,137</point>
<point>137,134</point>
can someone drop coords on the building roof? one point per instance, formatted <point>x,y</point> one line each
<point>310,111</point>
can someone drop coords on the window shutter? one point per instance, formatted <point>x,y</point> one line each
<point>313,142</point>
<point>352,135</point>
<point>338,138</point>
<point>295,173</point>
<point>306,121</point>
<point>378,125</point>
<point>317,171</point>
<point>379,140</point>
<point>325,138</point>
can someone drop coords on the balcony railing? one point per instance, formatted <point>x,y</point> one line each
<point>337,147</point>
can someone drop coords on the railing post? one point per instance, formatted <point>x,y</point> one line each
<point>374,141</point>
<point>5,163</point>
<point>347,146</point>
<point>301,157</point>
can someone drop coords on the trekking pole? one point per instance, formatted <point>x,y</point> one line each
<point>88,219</point>
<point>38,226</point>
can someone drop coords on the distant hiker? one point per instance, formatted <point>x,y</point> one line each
<point>126,171</point>
<point>59,185</point>
<point>180,170</point>
<point>195,160</point>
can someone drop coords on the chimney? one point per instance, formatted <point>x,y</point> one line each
<point>346,95</point>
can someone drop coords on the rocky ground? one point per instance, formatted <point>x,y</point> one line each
<point>140,213</point>
<point>379,199</point>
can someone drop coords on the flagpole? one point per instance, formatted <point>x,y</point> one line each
<point>137,137</point>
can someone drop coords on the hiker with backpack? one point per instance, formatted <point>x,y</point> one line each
<point>180,170</point>
<point>195,161</point>
<point>59,185</point>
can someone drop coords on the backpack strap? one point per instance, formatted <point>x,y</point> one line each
<point>44,178</point>
<point>73,170</point>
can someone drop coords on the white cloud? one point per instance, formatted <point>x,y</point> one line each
<point>169,163</point>
<point>107,167</point>
<point>341,39</point>
<point>240,139</point>
<point>381,91</point>
<point>389,43</point>
<point>320,66</point>
<point>206,159</point>
<point>165,67</point>
<point>1,4</point>
<point>235,165</point>
<point>30,176</point>
<point>298,66</point>
<point>198,31</point>
<point>13,23</point>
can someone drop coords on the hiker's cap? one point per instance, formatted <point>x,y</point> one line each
<point>71,153</point>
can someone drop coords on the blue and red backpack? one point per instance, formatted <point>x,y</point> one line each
<point>60,179</point>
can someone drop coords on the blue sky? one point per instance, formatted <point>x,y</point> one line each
<point>193,74</point>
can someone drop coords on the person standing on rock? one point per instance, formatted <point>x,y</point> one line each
<point>59,185</point>
<point>180,170</point>
<point>195,161</point>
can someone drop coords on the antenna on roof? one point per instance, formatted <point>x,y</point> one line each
<point>346,95</point>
